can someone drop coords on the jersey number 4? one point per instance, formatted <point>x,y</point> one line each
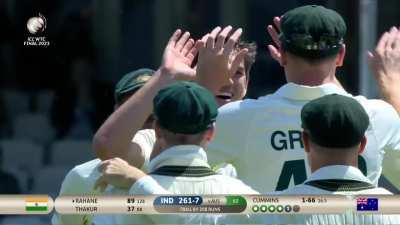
<point>297,170</point>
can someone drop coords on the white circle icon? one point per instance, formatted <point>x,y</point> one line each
<point>36,24</point>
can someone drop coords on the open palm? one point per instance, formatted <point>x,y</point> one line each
<point>179,55</point>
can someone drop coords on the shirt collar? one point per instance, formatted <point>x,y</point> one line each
<point>341,172</point>
<point>306,93</point>
<point>180,155</point>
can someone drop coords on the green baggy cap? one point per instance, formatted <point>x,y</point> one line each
<point>131,82</point>
<point>185,108</point>
<point>335,121</point>
<point>312,31</point>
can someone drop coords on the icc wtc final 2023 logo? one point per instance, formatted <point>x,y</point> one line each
<point>36,25</point>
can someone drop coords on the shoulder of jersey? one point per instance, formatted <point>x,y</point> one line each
<point>235,185</point>
<point>243,105</point>
<point>85,169</point>
<point>301,190</point>
<point>373,105</point>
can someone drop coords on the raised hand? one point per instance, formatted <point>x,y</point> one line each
<point>179,55</point>
<point>385,65</point>
<point>218,60</point>
<point>118,173</point>
<point>275,50</point>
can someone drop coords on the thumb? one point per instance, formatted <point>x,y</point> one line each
<point>370,59</point>
<point>201,44</point>
<point>275,54</point>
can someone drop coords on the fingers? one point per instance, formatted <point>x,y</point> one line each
<point>182,41</point>
<point>274,35</point>
<point>275,53</point>
<point>396,43</point>
<point>222,36</point>
<point>211,38</point>
<point>103,165</point>
<point>370,56</point>
<point>277,22</point>
<point>370,60</point>
<point>195,49</point>
<point>232,40</point>
<point>380,47</point>
<point>390,39</point>
<point>188,47</point>
<point>174,38</point>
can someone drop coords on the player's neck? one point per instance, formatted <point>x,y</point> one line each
<point>318,164</point>
<point>309,75</point>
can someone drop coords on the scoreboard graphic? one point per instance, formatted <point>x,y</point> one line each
<point>192,204</point>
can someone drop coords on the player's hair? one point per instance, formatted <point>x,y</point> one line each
<point>313,61</point>
<point>181,139</point>
<point>250,57</point>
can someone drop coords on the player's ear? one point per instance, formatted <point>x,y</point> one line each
<point>306,141</point>
<point>210,133</point>
<point>362,145</point>
<point>340,56</point>
<point>284,56</point>
<point>157,129</point>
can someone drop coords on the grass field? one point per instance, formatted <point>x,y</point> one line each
<point>391,168</point>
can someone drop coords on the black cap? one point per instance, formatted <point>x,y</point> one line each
<point>185,108</point>
<point>312,31</point>
<point>335,121</point>
<point>131,82</point>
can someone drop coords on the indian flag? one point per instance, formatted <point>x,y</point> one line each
<point>36,204</point>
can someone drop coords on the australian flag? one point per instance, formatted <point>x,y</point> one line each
<point>367,204</point>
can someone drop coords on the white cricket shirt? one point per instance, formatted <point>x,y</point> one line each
<point>336,172</point>
<point>187,156</point>
<point>81,179</point>
<point>262,138</point>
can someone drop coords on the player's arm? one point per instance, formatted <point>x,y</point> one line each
<point>385,65</point>
<point>119,173</point>
<point>384,62</point>
<point>113,139</point>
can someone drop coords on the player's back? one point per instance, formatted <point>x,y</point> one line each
<point>262,138</point>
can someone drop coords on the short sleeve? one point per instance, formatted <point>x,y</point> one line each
<point>385,122</point>
<point>72,184</point>
<point>146,140</point>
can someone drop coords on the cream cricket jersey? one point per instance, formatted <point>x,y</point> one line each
<point>184,170</point>
<point>353,182</point>
<point>81,179</point>
<point>262,138</point>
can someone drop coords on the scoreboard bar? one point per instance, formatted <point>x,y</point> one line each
<point>189,204</point>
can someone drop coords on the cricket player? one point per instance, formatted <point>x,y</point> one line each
<point>113,139</point>
<point>81,179</point>
<point>267,132</point>
<point>333,134</point>
<point>184,122</point>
